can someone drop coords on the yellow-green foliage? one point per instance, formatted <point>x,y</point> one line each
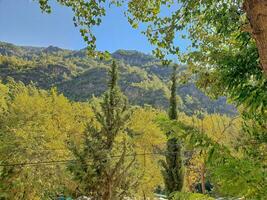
<point>153,84</point>
<point>3,96</point>
<point>148,137</point>
<point>219,128</point>
<point>190,196</point>
<point>15,62</point>
<point>35,128</point>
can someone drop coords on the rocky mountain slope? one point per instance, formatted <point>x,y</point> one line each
<point>142,77</point>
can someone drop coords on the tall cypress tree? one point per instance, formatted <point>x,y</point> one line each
<point>99,175</point>
<point>173,100</point>
<point>172,167</point>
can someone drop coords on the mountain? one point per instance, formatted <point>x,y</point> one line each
<point>142,77</point>
<point>133,57</point>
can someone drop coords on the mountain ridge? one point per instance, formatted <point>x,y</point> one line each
<point>142,77</point>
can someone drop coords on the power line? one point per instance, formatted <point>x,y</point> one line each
<point>68,149</point>
<point>36,163</point>
<point>52,162</point>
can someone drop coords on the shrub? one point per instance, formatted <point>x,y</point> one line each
<point>189,196</point>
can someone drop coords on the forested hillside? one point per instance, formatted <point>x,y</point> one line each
<point>144,80</point>
<point>88,124</point>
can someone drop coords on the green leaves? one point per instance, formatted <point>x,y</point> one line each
<point>87,14</point>
<point>233,171</point>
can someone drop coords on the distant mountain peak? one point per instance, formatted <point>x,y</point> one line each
<point>51,49</point>
<point>133,57</point>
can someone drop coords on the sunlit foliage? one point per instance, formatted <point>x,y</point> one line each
<point>35,127</point>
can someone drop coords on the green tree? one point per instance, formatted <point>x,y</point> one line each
<point>227,151</point>
<point>173,168</point>
<point>147,138</point>
<point>223,53</point>
<point>103,167</point>
<point>35,126</point>
<point>173,97</point>
<point>197,17</point>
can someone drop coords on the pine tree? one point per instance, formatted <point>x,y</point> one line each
<point>100,175</point>
<point>172,167</point>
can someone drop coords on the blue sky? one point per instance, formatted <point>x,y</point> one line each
<point>23,23</point>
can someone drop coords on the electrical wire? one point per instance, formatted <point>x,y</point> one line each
<point>52,162</point>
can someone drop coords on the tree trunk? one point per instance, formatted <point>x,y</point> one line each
<point>203,178</point>
<point>256,11</point>
<point>108,190</point>
<point>144,195</point>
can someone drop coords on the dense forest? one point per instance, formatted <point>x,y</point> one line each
<point>127,125</point>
